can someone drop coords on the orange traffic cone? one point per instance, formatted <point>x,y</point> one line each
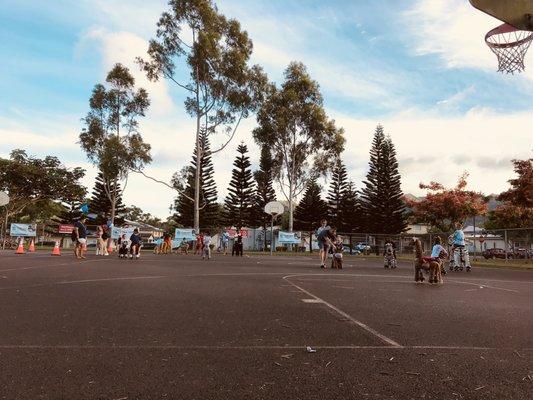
<point>56,251</point>
<point>110,248</point>
<point>20,249</point>
<point>31,249</point>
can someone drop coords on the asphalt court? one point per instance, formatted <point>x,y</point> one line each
<point>179,327</point>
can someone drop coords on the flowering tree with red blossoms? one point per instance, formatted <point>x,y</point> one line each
<point>442,207</point>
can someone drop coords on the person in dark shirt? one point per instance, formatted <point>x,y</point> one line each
<point>79,234</point>
<point>237,246</point>
<point>135,240</point>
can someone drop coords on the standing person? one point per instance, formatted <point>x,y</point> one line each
<point>459,250</point>
<point>320,241</point>
<point>80,233</point>
<point>207,249</point>
<point>135,246</point>
<point>224,240</point>
<point>109,228</point>
<point>105,238</point>
<point>327,236</point>
<point>199,244</point>
<point>237,245</point>
<point>99,245</point>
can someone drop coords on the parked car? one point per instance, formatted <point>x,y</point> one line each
<point>362,247</point>
<point>521,253</point>
<point>346,249</point>
<point>496,253</point>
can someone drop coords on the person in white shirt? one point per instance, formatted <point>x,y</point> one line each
<point>207,248</point>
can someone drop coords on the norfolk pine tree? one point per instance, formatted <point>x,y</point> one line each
<point>350,218</point>
<point>293,124</point>
<point>310,210</point>
<point>337,190</point>
<point>264,193</point>
<point>100,204</point>
<point>185,184</point>
<point>394,210</point>
<point>221,87</point>
<point>238,207</point>
<point>381,197</point>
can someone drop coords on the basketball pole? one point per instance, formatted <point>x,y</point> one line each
<point>272,235</point>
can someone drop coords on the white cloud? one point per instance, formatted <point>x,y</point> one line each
<point>137,16</point>
<point>454,30</point>
<point>455,100</point>
<point>123,47</point>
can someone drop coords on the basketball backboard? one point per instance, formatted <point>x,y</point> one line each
<point>518,13</point>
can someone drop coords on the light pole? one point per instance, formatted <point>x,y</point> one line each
<point>4,200</point>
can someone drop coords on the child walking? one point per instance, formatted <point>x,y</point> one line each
<point>206,253</point>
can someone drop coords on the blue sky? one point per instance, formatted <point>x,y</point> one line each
<point>418,67</point>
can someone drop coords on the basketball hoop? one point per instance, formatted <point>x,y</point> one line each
<point>510,46</point>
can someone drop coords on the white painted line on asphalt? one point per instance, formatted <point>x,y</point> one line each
<point>481,286</point>
<point>288,347</point>
<point>124,278</point>
<point>348,275</point>
<point>498,280</point>
<point>473,282</point>
<point>312,301</point>
<point>232,274</point>
<point>343,314</point>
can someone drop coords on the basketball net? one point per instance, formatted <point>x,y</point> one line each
<point>510,46</point>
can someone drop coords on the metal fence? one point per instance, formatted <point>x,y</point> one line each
<point>506,244</point>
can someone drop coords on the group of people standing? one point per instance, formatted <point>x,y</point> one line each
<point>203,245</point>
<point>127,246</point>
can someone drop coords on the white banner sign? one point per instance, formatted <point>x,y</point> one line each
<point>187,234</point>
<point>118,232</point>
<point>289,237</point>
<point>23,230</point>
